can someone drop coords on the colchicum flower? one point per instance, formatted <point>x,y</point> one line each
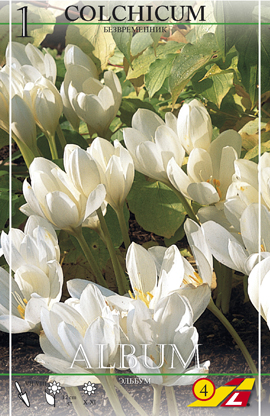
<point>38,278</point>
<point>46,104</point>
<point>240,253</point>
<point>94,102</point>
<point>88,323</point>
<point>79,68</point>
<point>209,173</point>
<point>54,197</point>
<point>194,126</point>
<point>31,291</point>
<point>23,123</point>
<point>258,288</point>
<point>25,56</point>
<point>152,143</point>
<point>116,169</point>
<point>150,331</point>
<point>158,272</point>
<point>36,246</point>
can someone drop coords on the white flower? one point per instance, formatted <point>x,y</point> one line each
<point>54,197</point>
<point>168,323</point>
<point>152,143</point>
<point>94,102</point>
<point>116,169</point>
<point>31,291</point>
<point>209,173</point>
<point>46,104</point>
<point>66,328</point>
<point>79,67</point>
<point>24,56</point>
<point>258,288</point>
<point>194,126</point>
<point>36,246</point>
<point>23,123</point>
<point>243,253</point>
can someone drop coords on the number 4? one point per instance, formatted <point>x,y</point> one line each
<point>24,22</point>
<point>204,390</point>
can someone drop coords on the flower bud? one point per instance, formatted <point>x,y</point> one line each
<point>194,127</point>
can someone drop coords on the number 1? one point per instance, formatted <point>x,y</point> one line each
<point>24,21</point>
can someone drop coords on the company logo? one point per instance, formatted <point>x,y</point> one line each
<point>235,393</point>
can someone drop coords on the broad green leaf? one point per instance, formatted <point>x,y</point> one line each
<point>189,61</point>
<point>226,35</point>
<point>221,83</point>
<point>178,235</point>
<point>36,33</point>
<point>167,48</point>
<point>265,58</point>
<point>157,209</point>
<point>158,72</point>
<point>140,65</point>
<point>247,48</point>
<point>93,41</point>
<point>129,106</point>
<point>72,137</point>
<point>123,42</point>
<point>140,42</point>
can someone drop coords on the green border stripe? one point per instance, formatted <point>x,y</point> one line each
<point>134,374</point>
<point>139,24</point>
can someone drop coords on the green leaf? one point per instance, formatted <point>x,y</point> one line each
<point>4,138</point>
<point>140,65</point>
<point>93,41</point>
<point>129,106</point>
<point>189,61</point>
<point>167,48</point>
<point>215,85</point>
<point>178,235</point>
<point>157,209</point>
<point>158,72</point>
<point>265,58</point>
<point>226,35</point>
<point>140,42</point>
<point>36,33</point>
<point>247,48</point>
<point>72,137</point>
<point>123,42</point>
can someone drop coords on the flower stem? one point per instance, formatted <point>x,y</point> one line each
<point>52,145</point>
<point>77,401</point>
<point>224,286</point>
<point>112,396</point>
<point>156,401</point>
<point>61,136</point>
<point>171,401</point>
<point>185,204</point>
<point>89,256</point>
<point>129,398</point>
<point>119,274</point>
<point>212,307</point>
<point>226,289</point>
<point>123,226</point>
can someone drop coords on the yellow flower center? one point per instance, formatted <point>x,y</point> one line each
<point>195,280</point>
<point>145,297</point>
<point>21,304</point>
